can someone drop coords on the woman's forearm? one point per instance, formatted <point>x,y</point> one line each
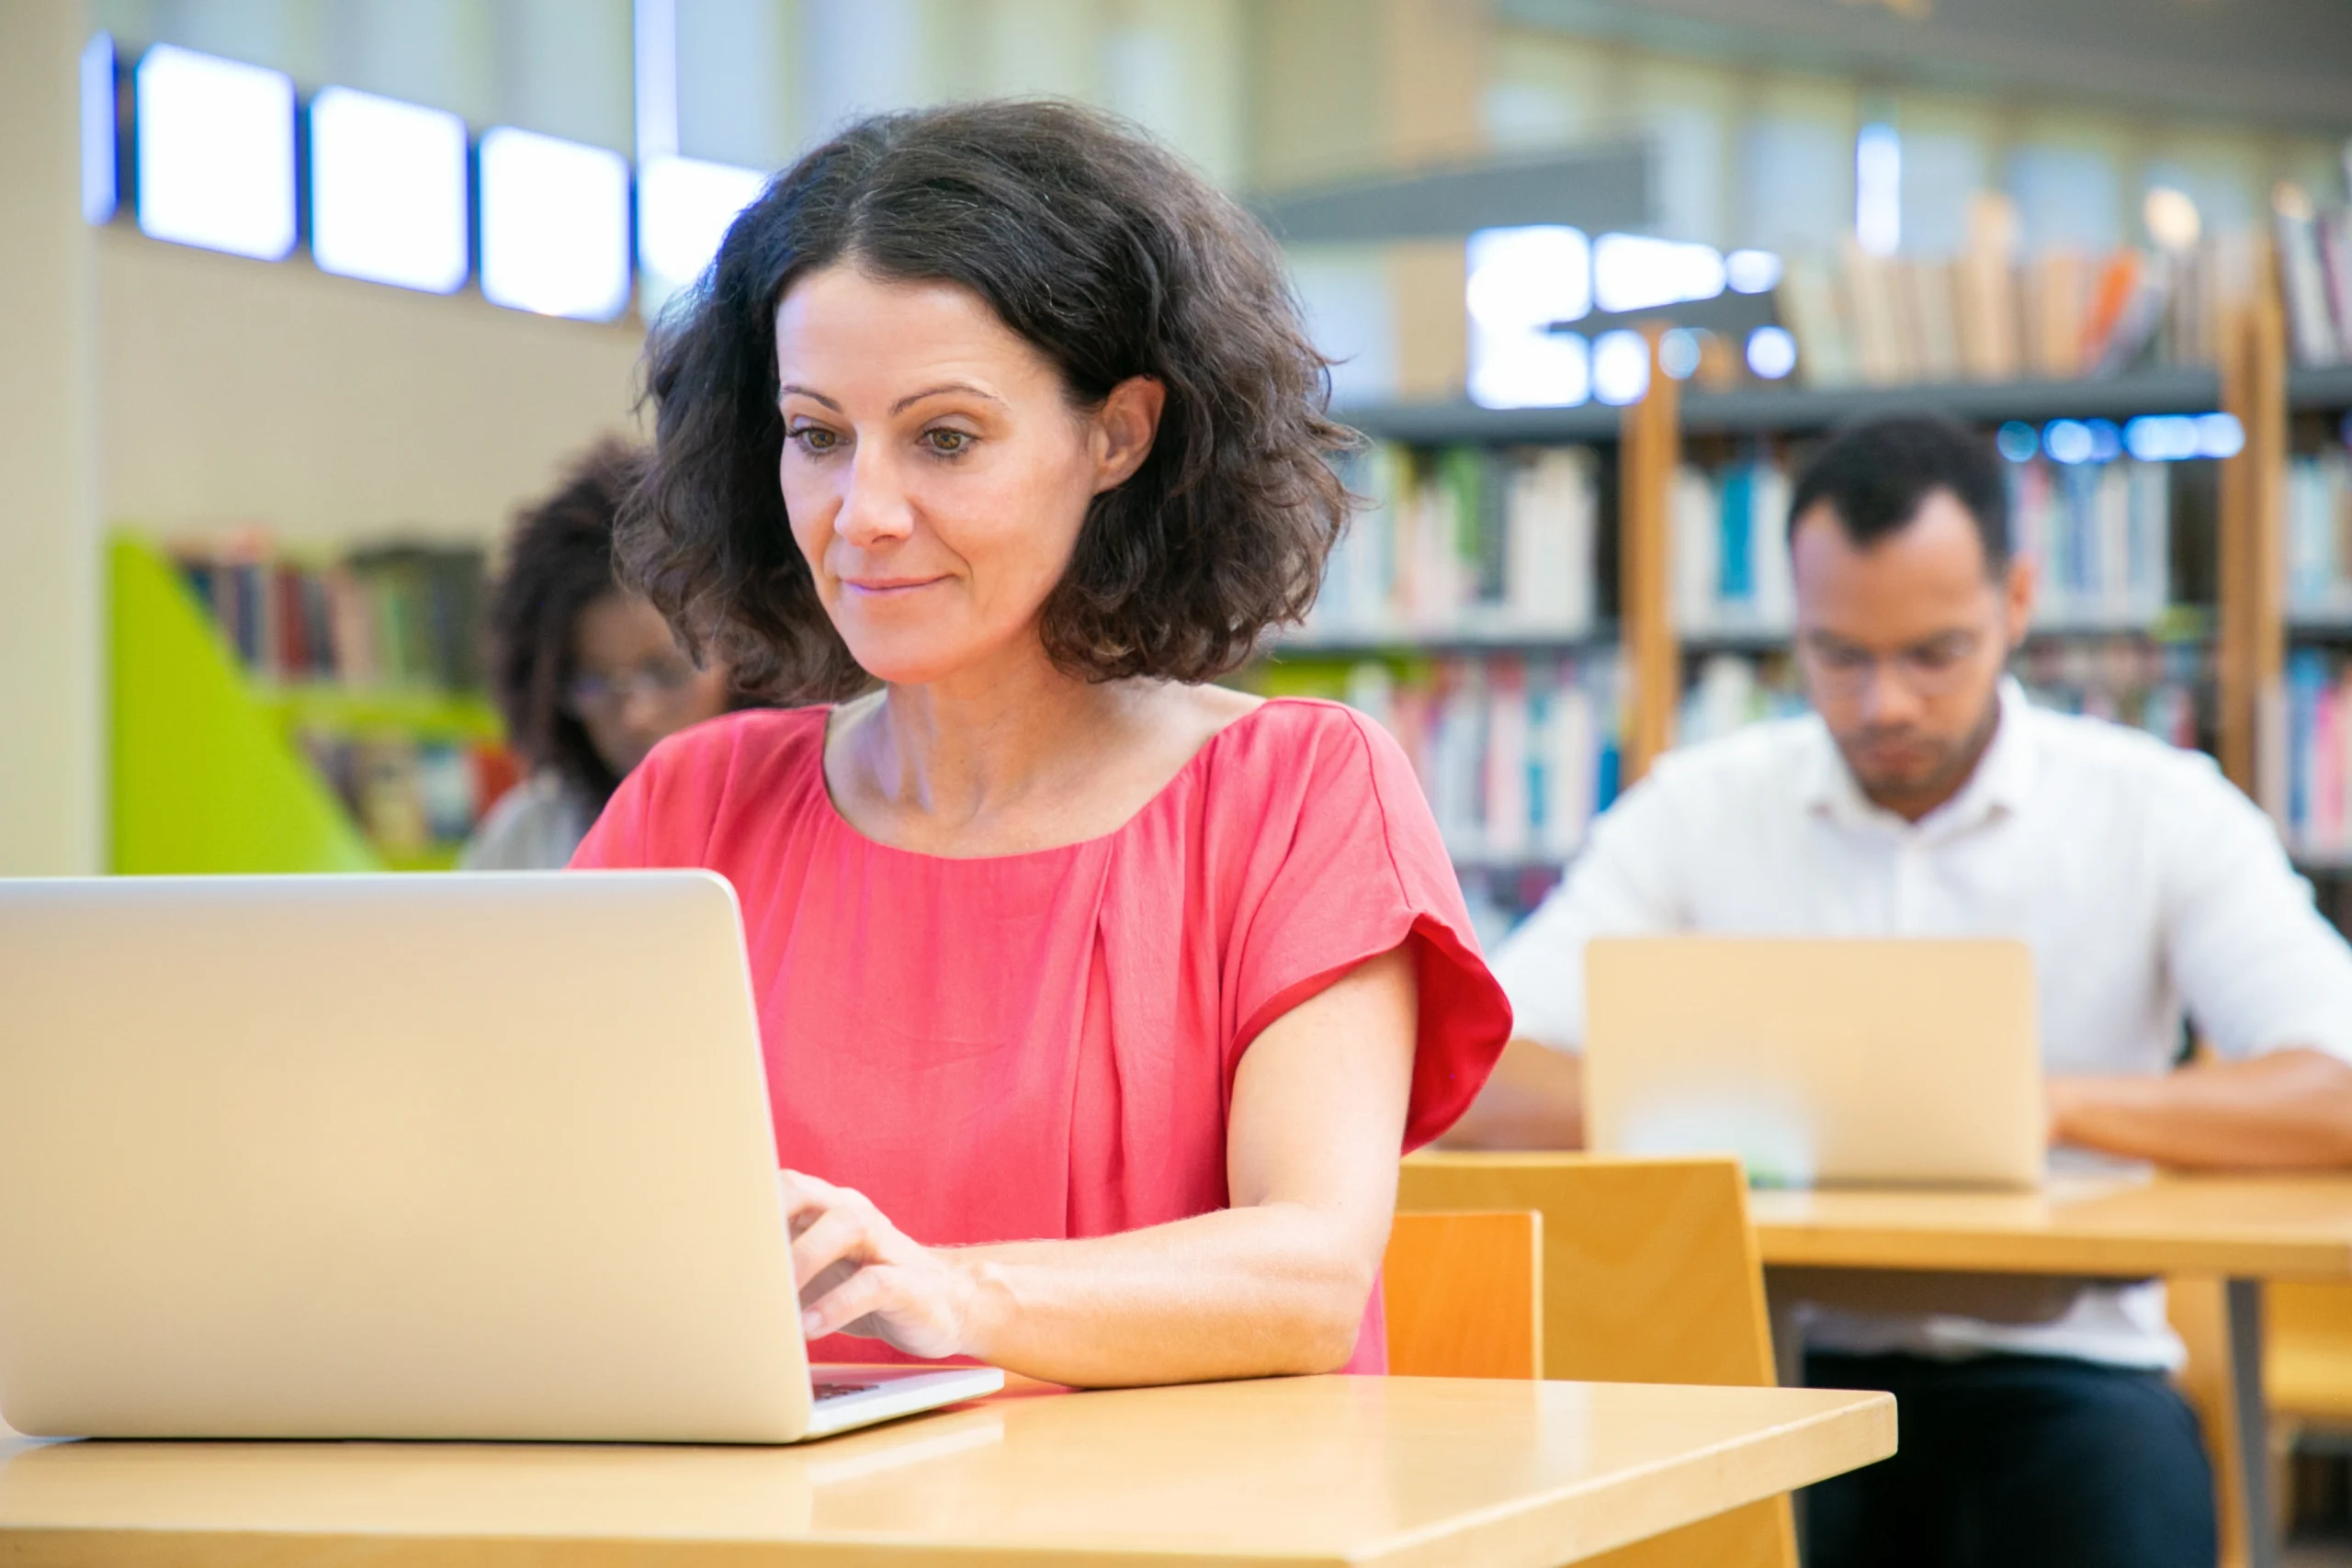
<point>2289,1110</point>
<point>1239,1292</point>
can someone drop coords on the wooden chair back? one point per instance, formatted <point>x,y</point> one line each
<point>1650,1275</point>
<point>1465,1294</point>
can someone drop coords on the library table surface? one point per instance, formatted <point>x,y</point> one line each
<point>1325,1471</point>
<point>2244,1229</point>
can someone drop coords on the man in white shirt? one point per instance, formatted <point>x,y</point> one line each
<point>1923,796</point>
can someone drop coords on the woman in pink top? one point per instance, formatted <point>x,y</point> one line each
<point>1098,1001</point>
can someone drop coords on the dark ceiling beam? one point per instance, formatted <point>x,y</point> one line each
<point>1601,189</point>
<point>2284,65</point>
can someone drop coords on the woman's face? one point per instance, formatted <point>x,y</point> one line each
<point>935,468</point>
<point>630,686</point>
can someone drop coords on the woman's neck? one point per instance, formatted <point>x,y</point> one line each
<point>1014,756</point>
<point>946,756</point>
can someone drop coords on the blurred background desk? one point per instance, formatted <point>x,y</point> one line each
<point>1296,1470</point>
<point>2218,1239</point>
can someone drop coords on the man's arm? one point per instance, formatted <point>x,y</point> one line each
<point>2269,983</point>
<point>2281,1111</point>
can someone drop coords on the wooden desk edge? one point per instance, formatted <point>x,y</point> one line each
<point>1534,1532</point>
<point>1797,1242</point>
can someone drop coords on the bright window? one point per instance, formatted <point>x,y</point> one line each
<point>684,206</point>
<point>97,129</point>
<point>216,154</point>
<point>387,190</point>
<point>554,226</point>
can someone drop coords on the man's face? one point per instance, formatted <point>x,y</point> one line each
<point>1902,645</point>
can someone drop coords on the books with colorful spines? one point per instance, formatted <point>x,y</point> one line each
<point>2335,234</point>
<point>2100,537</point>
<point>1986,291</point>
<point>2314,332</point>
<point>1573,744</point>
<point>1359,577</point>
<point>1731,560</point>
<point>1696,542</point>
<point>1873,307</point>
<point>1549,527</point>
<point>2057,282</point>
<point>2319,531</point>
<point>1933,316</point>
<point>2316,766</point>
<point>1806,300</point>
<point>2126,310</point>
<point>1508,809</point>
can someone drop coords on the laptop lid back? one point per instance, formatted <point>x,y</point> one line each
<point>398,1156</point>
<point>1819,1061</point>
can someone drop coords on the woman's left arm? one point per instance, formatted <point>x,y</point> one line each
<point>1277,1283</point>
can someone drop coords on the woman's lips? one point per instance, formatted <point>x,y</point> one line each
<point>884,587</point>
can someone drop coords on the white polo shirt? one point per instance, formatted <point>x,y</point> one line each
<point>2141,878</point>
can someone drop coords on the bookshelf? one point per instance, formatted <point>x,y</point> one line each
<point>219,769</point>
<point>1787,409</point>
<point>2210,648</point>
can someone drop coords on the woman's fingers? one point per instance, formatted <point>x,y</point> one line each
<point>857,1273</point>
<point>837,1235</point>
<point>864,1292</point>
<point>805,1199</point>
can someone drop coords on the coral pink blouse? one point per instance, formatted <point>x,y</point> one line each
<point>1043,1045</point>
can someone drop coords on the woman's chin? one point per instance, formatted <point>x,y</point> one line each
<point>909,661</point>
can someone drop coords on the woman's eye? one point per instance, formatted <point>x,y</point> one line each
<point>948,443</point>
<point>815,438</point>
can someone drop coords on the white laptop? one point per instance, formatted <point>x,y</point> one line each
<point>1819,1062</point>
<point>464,1156</point>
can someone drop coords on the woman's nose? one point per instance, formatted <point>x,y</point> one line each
<point>874,508</point>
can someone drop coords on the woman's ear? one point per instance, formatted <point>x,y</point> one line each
<point>1124,427</point>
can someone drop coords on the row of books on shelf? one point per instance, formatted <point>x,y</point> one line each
<point>416,799</point>
<point>2315,280</point>
<point>2318,797</point>
<point>1984,315</point>
<point>394,615</point>
<point>1466,537</point>
<point>2098,533</point>
<point>1504,542</point>
<point>2121,677</point>
<point>1731,550</point>
<point>2150,685</point>
<point>2319,533</point>
<point>1516,755</point>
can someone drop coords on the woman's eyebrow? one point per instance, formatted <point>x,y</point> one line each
<point>911,398</point>
<point>793,389</point>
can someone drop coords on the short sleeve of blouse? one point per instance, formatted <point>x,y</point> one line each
<point>1343,863</point>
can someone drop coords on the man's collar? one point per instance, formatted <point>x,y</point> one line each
<point>2001,781</point>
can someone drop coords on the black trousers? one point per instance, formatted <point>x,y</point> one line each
<point>2016,1462</point>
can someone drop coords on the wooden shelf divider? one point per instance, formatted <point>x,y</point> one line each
<point>1651,454</point>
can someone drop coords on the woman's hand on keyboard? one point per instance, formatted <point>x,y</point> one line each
<point>860,1274</point>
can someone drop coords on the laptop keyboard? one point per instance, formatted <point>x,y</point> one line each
<point>826,1389</point>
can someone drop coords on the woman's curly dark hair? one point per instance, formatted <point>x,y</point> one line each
<point>1114,260</point>
<point>559,560</point>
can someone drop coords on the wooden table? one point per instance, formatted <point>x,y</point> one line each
<point>2243,1229</point>
<point>1326,1471</point>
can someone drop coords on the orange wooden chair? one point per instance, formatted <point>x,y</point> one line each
<point>1465,1295</point>
<point>1650,1274</point>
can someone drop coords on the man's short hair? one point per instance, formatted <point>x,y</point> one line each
<point>1874,476</point>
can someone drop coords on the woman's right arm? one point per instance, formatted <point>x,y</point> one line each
<point>1277,1283</point>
